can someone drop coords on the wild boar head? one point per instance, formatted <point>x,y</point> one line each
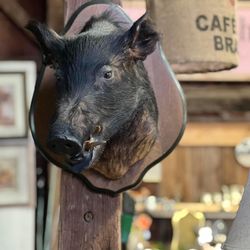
<point>106,114</point>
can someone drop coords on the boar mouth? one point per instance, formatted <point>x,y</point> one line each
<point>79,152</point>
<point>91,151</point>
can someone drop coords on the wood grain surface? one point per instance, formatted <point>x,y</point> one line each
<point>87,221</point>
<point>191,171</point>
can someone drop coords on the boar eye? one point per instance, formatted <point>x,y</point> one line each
<point>108,74</point>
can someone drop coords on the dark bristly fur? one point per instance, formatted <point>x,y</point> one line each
<point>124,105</point>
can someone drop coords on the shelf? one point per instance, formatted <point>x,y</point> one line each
<point>210,212</point>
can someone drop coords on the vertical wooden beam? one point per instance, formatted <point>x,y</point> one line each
<point>55,9</point>
<point>87,220</point>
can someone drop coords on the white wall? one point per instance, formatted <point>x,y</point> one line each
<point>17,228</point>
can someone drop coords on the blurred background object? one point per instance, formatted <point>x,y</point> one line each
<point>190,27</point>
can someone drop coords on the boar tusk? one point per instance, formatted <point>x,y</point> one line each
<point>90,145</point>
<point>98,143</point>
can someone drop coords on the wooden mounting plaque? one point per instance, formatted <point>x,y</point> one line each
<point>170,101</point>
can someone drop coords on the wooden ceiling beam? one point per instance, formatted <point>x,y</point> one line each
<point>17,14</point>
<point>214,134</point>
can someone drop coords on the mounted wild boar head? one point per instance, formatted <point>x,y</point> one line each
<point>106,115</point>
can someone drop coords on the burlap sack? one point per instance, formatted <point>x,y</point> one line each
<point>197,35</point>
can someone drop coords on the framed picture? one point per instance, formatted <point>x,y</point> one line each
<point>242,71</point>
<point>12,105</point>
<point>16,81</point>
<point>14,175</point>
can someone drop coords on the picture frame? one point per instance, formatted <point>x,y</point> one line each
<point>14,176</point>
<point>17,80</point>
<point>242,72</point>
<point>13,111</point>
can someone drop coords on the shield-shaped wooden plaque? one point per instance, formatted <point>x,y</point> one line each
<point>170,101</point>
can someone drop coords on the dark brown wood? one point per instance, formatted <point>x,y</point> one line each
<point>55,13</point>
<point>17,14</point>
<point>24,49</point>
<point>87,220</point>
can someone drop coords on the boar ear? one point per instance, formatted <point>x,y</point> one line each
<point>49,41</point>
<point>142,38</point>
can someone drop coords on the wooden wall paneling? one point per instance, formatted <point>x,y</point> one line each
<point>191,171</point>
<point>233,172</point>
<point>191,175</point>
<point>228,167</point>
<point>181,157</point>
<point>171,185</point>
<point>211,170</point>
<point>201,172</point>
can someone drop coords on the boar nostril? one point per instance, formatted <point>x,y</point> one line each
<point>68,145</point>
<point>61,145</point>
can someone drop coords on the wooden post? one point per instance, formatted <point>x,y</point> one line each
<point>87,220</point>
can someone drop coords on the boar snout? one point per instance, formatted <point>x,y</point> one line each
<point>65,143</point>
<point>80,151</point>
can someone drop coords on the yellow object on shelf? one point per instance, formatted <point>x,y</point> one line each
<point>185,226</point>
